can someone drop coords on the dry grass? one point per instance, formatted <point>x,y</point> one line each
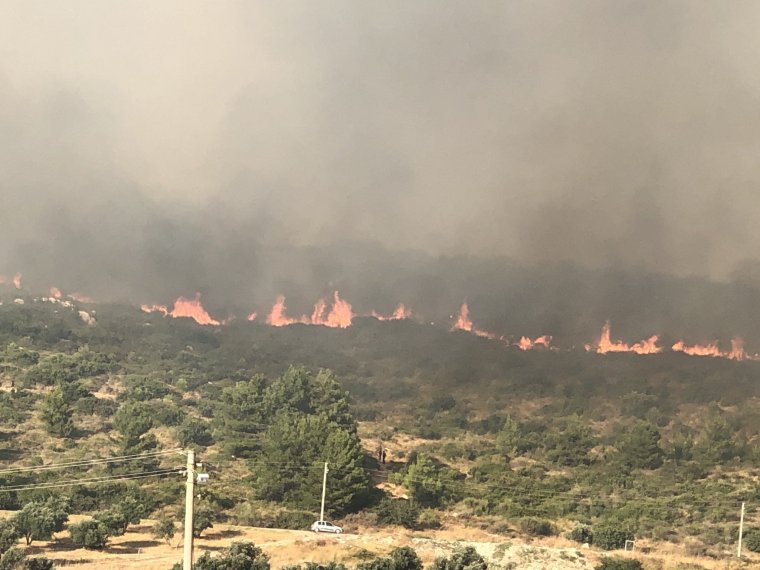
<point>138,549</point>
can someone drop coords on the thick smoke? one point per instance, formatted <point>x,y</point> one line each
<point>243,149</point>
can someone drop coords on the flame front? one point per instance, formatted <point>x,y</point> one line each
<point>192,308</point>
<point>463,322</point>
<point>712,350</point>
<point>17,280</point>
<point>55,292</point>
<point>527,344</point>
<point>606,345</point>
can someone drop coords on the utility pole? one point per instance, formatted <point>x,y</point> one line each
<point>324,489</point>
<point>187,556</point>
<point>741,532</point>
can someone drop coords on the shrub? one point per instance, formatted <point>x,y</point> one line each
<point>164,529</point>
<point>616,563</point>
<point>398,511</point>
<point>39,563</point>
<point>90,534</point>
<point>582,533</point>
<point>462,558</point>
<point>537,527</point>
<point>611,537</point>
<point>752,540</point>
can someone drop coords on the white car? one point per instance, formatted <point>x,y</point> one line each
<point>324,526</point>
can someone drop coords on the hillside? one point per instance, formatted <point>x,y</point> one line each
<point>663,448</point>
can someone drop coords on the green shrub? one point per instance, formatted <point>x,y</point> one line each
<point>611,536</point>
<point>398,511</point>
<point>537,527</point>
<point>581,533</point>
<point>616,563</point>
<point>752,540</point>
<point>90,534</point>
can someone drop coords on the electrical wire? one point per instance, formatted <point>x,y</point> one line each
<point>88,462</point>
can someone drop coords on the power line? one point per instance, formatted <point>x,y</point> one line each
<point>84,463</point>
<point>90,481</point>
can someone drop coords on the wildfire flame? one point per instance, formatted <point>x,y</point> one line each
<point>711,350</point>
<point>81,298</point>
<point>340,315</point>
<point>55,292</point>
<point>17,280</point>
<point>400,313</point>
<point>193,309</point>
<point>183,307</point>
<point>528,344</point>
<point>606,345</point>
<point>252,316</point>
<point>463,322</point>
<point>155,309</point>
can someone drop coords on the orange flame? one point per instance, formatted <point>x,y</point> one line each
<point>605,345</point>
<point>400,313</point>
<point>463,322</point>
<point>276,316</point>
<point>528,344</point>
<point>252,316</point>
<point>711,350</point>
<point>17,280</point>
<point>55,292</point>
<point>155,309</point>
<point>192,308</point>
<point>81,298</point>
<point>341,315</point>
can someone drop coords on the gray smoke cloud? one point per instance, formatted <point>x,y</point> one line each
<point>241,149</point>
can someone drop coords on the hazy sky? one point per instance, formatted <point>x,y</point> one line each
<point>187,137</point>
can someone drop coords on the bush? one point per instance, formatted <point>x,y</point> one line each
<point>611,537</point>
<point>90,534</point>
<point>581,533</point>
<point>617,563</point>
<point>401,512</point>
<point>39,563</point>
<point>462,558</point>
<point>752,540</point>
<point>537,527</point>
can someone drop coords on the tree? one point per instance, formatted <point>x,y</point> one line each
<point>56,414</point>
<point>640,447</point>
<point>241,415</point>
<point>133,420</point>
<point>430,483</point>
<point>202,520</point>
<point>114,520</point>
<point>164,529</point>
<point>132,509</point>
<point>717,445</point>
<point>331,401</point>
<point>9,535</point>
<point>508,438</point>
<point>38,520</point>
<point>306,441</point>
<point>89,534</point>
<point>194,432</point>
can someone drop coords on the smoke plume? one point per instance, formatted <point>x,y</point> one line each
<point>247,149</point>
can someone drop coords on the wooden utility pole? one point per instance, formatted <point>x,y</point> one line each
<point>741,532</point>
<point>187,555</point>
<point>324,490</point>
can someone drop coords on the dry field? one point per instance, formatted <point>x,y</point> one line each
<point>138,549</point>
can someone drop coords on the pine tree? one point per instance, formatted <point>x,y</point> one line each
<point>56,414</point>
